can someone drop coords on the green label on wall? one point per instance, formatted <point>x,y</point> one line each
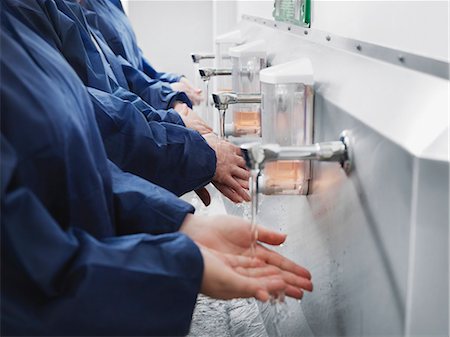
<point>297,12</point>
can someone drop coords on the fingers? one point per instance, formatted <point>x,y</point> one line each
<point>294,292</point>
<point>236,186</point>
<point>204,196</point>
<point>296,281</point>
<point>244,183</point>
<point>240,162</point>
<point>233,184</point>
<point>228,192</point>
<point>240,173</point>
<point>270,237</point>
<point>281,262</point>
<point>268,286</point>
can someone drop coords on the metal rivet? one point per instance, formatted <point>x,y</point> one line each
<point>328,38</point>
<point>305,32</point>
<point>401,58</point>
<point>358,47</point>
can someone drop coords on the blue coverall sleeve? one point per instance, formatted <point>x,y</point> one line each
<point>168,155</point>
<point>150,113</point>
<point>118,4</point>
<point>66,282</point>
<point>157,93</point>
<point>143,207</point>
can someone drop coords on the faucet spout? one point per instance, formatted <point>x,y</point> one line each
<point>223,99</point>
<point>197,57</point>
<point>207,73</point>
<point>257,154</point>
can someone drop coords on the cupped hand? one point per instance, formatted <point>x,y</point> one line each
<point>228,276</point>
<point>233,235</point>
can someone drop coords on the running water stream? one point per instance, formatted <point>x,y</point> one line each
<point>254,192</point>
<point>277,302</point>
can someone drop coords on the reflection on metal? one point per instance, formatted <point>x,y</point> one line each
<point>372,238</point>
<point>223,99</point>
<point>197,57</point>
<point>207,73</point>
<point>256,155</point>
<point>412,61</point>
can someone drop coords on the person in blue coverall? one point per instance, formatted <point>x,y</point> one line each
<point>164,154</point>
<point>88,249</point>
<point>119,34</point>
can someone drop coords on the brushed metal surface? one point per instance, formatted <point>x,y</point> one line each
<point>376,241</point>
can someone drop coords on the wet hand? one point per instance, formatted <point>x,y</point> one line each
<point>231,177</point>
<point>228,276</point>
<point>233,235</point>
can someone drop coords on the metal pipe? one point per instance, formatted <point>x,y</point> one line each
<point>207,73</point>
<point>197,57</point>
<point>223,99</point>
<point>257,154</point>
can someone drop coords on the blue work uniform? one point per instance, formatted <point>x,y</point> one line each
<point>69,264</point>
<point>120,36</point>
<point>157,93</point>
<point>171,156</point>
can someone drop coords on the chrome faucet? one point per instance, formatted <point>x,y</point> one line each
<point>223,99</point>
<point>257,154</point>
<point>207,73</point>
<point>197,57</point>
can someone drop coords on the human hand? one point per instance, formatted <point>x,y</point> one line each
<point>233,235</point>
<point>228,276</point>
<point>191,119</point>
<point>194,94</point>
<point>231,177</point>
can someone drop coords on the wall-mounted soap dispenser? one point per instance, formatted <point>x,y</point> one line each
<point>222,60</point>
<point>220,73</point>
<point>287,120</point>
<point>247,61</point>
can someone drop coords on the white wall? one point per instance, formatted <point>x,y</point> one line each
<point>261,8</point>
<point>168,31</point>
<point>420,27</point>
<point>416,26</point>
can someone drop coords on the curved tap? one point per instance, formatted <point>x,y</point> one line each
<point>257,154</point>
<point>223,99</point>
<point>207,73</point>
<point>197,57</point>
